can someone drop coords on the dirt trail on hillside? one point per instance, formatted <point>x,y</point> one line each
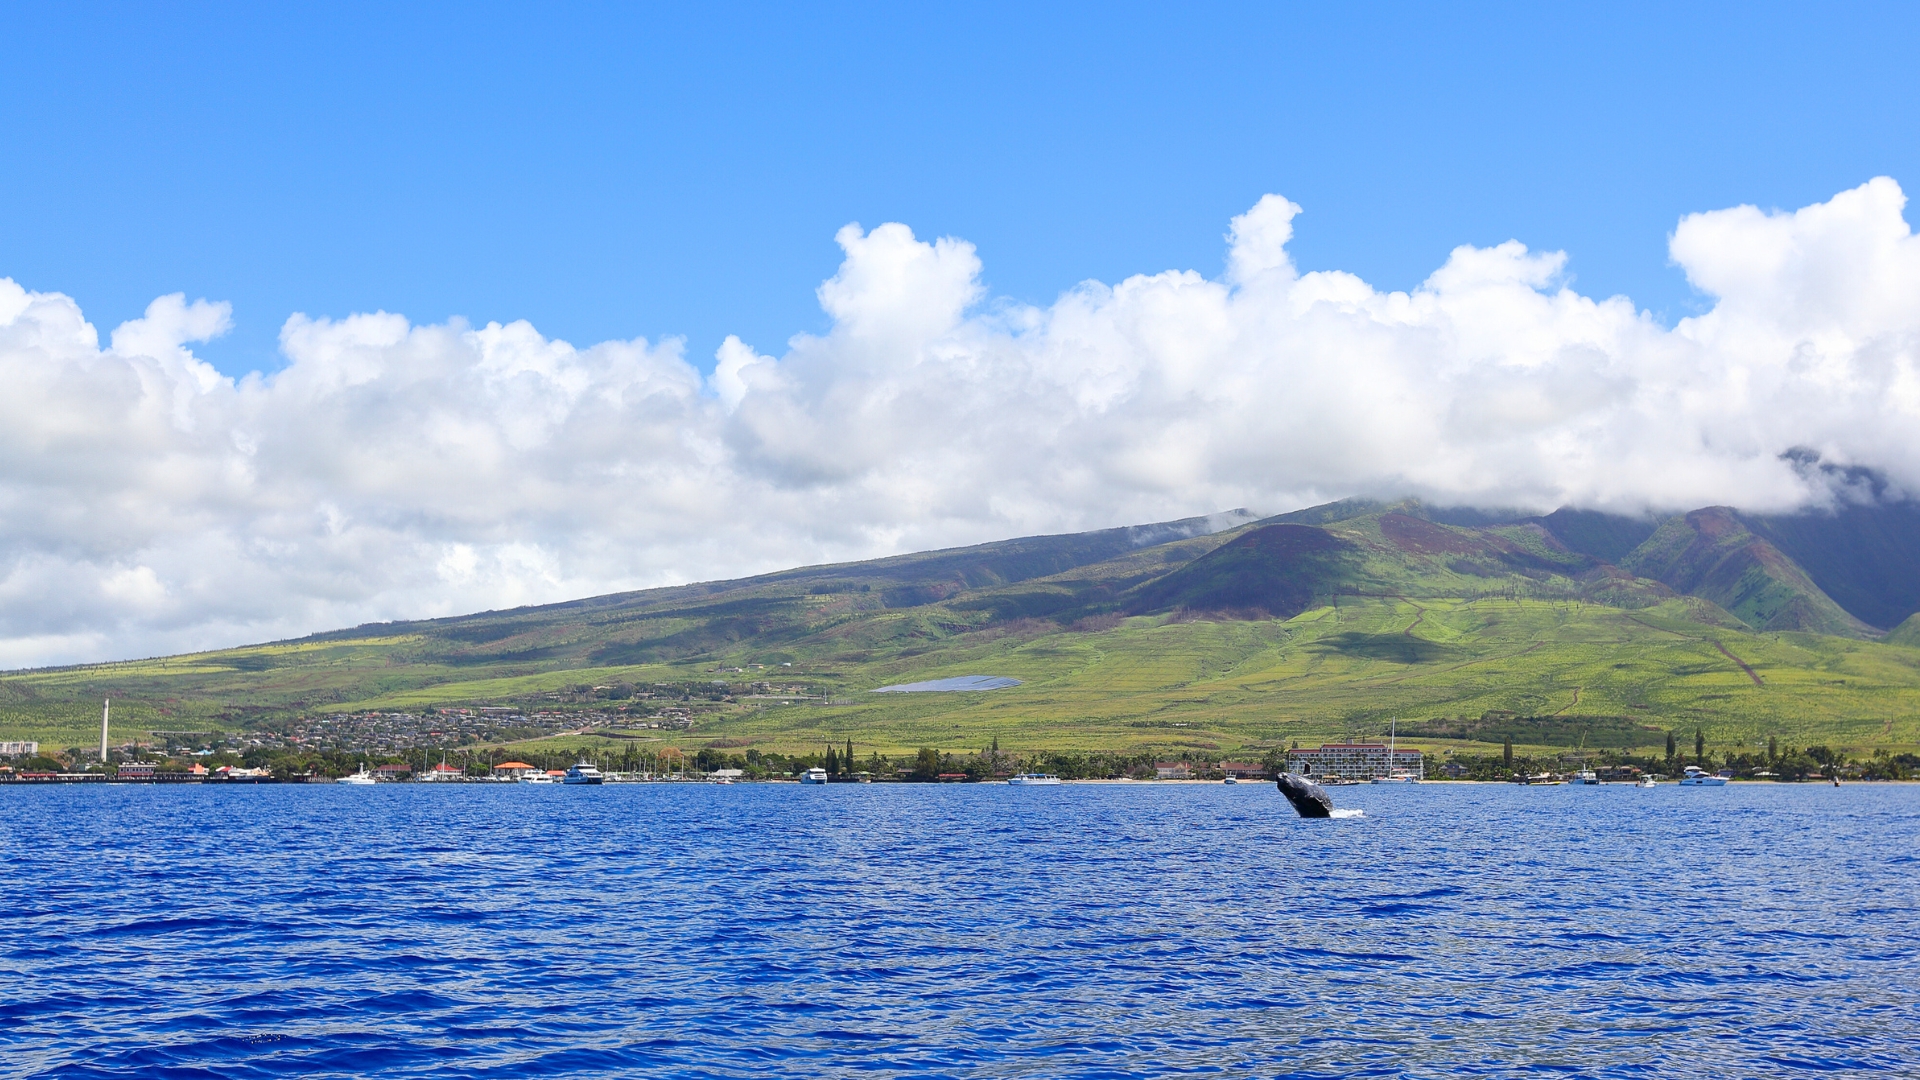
<point>1751,674</point>
<point>1417,619</point>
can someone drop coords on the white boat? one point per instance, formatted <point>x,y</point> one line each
<point>583,773</point>
<point>535,778</point>
<point>1029,779</point>
<point>1699,777</point>
<point>1584,776</point>
<point>1647,781</point>
<point>1230,780</point>
<point>358,779</point>
<point>815,775</point>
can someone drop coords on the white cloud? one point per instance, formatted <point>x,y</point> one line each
<point>148,504</point>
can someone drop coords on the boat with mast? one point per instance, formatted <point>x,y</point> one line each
<point>1395,775</point>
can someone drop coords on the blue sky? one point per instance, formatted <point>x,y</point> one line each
<point>613,171</point>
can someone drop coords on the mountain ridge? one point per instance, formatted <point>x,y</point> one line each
<point>1372,603</point>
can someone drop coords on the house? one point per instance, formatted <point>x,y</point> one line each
<point>1453,770</point>
<point>393,772</point>
<point>1244,770</point>
<point>443,771</point>
<point>1172,770</point>
<point>197,769</point>
<point>136,770</point>
<point>512,770</point>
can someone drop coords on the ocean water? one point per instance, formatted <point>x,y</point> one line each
<point>977,930</point>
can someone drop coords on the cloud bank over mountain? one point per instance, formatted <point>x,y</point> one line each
<point>149,504</point>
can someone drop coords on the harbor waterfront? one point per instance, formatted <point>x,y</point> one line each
<point>966,930</point>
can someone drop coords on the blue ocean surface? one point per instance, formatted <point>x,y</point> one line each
<point>966,930</point>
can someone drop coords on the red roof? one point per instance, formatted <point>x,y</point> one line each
<point>513,765</point>
<point>1344,746</point>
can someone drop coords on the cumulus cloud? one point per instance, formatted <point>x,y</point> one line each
<point>149,504</point>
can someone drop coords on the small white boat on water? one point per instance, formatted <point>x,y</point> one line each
<point>535,778</point>
<point>815,775</point>
<point>583,773</point>
<point>1583,777</point>
<point>1647,781</point>
<point>1699,777</point>
<point>1030,779</point>
<point>1231,780</point>
<point>359,779</point>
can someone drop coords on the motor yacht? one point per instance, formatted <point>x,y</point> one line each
<point>535,778</point>
<point>1647,781</point>
<point>1584,776</point>
<point>1699,777</point>
<point>815,775</point>
<point>1231,780</point>
<point>359,779</point>
<point>1029,779</point>
<point>583,773</point>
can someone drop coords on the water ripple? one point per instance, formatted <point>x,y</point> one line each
<point>1081,931</point>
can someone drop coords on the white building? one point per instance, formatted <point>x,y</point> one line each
<point>12,749</point>
<point>1354,761</point>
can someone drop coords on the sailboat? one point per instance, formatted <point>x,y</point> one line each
<point>1584,775</point>
<point>1394,775</point>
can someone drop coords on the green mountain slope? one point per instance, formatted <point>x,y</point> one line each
<point>1867,558</point>
<point>1318,624</point>
<point>1265,572</point>
<point>1907,633</point>
<point>1713,555</point>
<point>1607,537</point>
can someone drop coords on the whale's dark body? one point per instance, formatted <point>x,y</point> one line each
<point>1308,798</point>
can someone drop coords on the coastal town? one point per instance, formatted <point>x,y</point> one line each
<point>455,746</point>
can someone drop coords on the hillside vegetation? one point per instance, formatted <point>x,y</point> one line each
<point>1214,634</point>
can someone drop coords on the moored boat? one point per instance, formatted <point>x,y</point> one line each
<point>359,779</point>
<point>815,775</point>
<point>1030,779</point>
<point>1699,777</point>
<point>583,773</point>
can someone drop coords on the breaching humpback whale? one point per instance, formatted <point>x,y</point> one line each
<point>1308,798</point>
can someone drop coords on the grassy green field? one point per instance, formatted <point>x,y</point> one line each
<point>1265,642</point>
<point>1606,676</point>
